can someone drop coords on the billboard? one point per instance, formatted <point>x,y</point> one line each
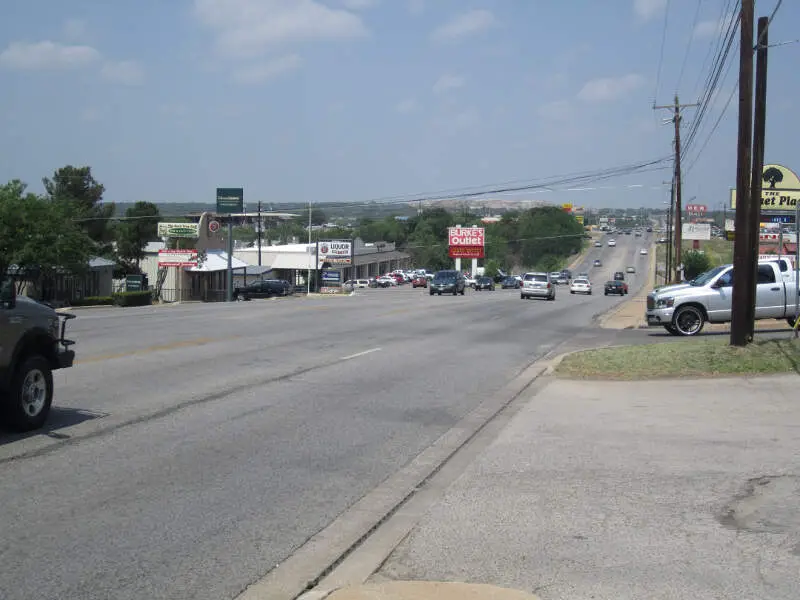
<point>335,252</point>
<point>177,258</point>
<point>696,209</point>
<point>780,190</point>
<point>466,242</point>
<point>179,230</point>
<point>696,231</point>
<point>230,200</point>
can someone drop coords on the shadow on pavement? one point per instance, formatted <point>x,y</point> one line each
<point>60,418</point>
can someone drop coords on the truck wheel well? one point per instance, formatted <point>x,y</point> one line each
<point>37,344</point>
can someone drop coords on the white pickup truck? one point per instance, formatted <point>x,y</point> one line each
<point>683,309</point>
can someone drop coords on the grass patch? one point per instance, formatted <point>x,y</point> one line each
<point>719,251</point>
<point>694,358</point>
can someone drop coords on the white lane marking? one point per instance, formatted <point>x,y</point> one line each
<point>357,354</point>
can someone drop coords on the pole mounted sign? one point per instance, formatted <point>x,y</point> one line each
<point>335,252</point>
<point>466,242</point>
<point>230,200</point>
<point>177,258</point>
<point>179,230</point>
<point>780,190</point>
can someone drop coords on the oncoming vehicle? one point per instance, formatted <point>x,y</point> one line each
<point>510,283</point>
<point>537,285</point>
<point>619,276</point>
<point>32,346</point>
<point>419,281</point>
<point>484,283</point>
<point>448,282</point>
<point>612,243</point>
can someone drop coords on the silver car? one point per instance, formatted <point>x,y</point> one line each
<point>537,285</point>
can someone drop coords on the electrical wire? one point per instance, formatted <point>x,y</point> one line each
<point>661,52</point>
<point>688,45</point>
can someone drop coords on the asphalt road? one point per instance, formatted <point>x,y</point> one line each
<point>194,447</point>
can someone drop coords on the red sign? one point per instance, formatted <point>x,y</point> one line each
<point>177,258</point>
<point>697,209</point>
<point>465,251</point>
<point>465,236</point>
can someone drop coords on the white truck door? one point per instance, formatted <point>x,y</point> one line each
<point>721,300</point>
<point>770,293</point>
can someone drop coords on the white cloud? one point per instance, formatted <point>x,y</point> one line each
<point>406,106</point>
<point>47,55</point>
<point>359,4</point>
<point>416,7</point>
<point>125,72</point>
<point>74,29</point>
<point>647,10</point>
<point>610,88</point>
<point>262,72</point>
<point>448,82</point>
<point>247,28</point>
<point>466,24</point>
<point>558,110</point>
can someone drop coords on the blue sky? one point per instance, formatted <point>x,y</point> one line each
<point>350,100</point>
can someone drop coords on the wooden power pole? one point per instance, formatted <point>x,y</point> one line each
<point>676,119</point>
<point>743,268</point>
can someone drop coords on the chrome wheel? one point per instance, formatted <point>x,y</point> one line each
<point>33,392</point>
<point>688,320</point>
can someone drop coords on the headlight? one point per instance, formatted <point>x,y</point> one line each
<point>668,302</point>
<point>55,328</point>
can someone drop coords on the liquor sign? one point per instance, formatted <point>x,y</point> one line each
<point>177,258</point>
<point>466,242</point>
<point>335,252</point>
<point>179,230</point>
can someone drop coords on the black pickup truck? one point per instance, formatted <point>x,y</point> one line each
<point>266,288</point>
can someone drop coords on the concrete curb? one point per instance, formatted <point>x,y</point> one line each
<point>423,590</point>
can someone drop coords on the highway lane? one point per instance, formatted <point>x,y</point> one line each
<point>195,447</point>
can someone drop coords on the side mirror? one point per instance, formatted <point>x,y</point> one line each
<point>8,294</point>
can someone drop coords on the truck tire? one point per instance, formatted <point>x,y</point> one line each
<point>30,394</point>
<point>688,320</point>
<point>790,321</point>
<point>671,329</point>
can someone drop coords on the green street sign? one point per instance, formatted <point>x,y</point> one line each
<point>230,200</point>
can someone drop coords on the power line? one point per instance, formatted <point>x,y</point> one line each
<point>689,44</point>
<point>661,52</point>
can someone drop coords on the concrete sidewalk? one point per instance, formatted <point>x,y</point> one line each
<point>608,490</point>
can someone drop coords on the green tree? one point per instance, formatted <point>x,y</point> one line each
<point>695,263</point>
<point>82,198</point>
<point>39,236</point>
<point>139,227</point>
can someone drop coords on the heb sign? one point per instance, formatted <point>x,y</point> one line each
<point>177,258</point>
<point>465,236</point>
<point>466,252</point>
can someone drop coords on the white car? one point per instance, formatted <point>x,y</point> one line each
<point>598,245</point>
<point>580,286</point>
<point>643,251</point>
<point>612,242</point>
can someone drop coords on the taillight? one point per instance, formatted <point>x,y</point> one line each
<point>548,285</point>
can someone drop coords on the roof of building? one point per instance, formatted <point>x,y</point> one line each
<point>97,262</point>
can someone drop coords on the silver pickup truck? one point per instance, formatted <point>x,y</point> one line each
<point>683,309</point>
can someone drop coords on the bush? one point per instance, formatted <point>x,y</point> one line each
<point>143,298</point>
<point>695,263</point>
<point>93,301</point>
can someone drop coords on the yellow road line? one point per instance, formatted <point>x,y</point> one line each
<point>151,349</point>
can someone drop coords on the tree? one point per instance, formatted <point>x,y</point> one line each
<point>139,227</point>
<point>39,237</point>
<point>695,263</point>
<point>82,198</point>
<point>772,176</point>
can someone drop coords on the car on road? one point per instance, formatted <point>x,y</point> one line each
<point>643,251</point>
<point>356,283</point>
<point>484,283</point>
<point>32,346</point>
<point>419,281</point>
<point>537,285</point>
<point>598,244</point>
<point>510,283</point>
<point>683,309</point>
<point>563,278</point>
<point>448,282</point>
<point>619,276</point>
<point>597,263</point>
<point>554,275</point>
<point>469,280</point>
<point>630,269</point>
<point>612,243</point>
<point>580,285</point>
<point>266,288</point>
<point>615,287</point>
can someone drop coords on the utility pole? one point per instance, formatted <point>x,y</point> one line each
<point>743,269</point>
<point>759,134</point>
<point>668,266</point>
<point>676,119</point>
<point>259,233</point>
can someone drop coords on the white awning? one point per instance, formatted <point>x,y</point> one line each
<point>217,260</point>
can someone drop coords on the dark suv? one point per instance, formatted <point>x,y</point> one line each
<point>266,288</point>
<point>619,276</point>
<point>448,282</point>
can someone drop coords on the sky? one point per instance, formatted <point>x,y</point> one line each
<point>359,100</point>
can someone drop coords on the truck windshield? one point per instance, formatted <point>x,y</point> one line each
<point>704,278</point>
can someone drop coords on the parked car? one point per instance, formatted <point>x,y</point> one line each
<point>537,285</point>
<point>619,276</point>
<point>615,287</point>
<point>420,281</point>
<point>510,283</point>
<point>580,285</point>
<point>448,282</point>
<point>683,309</point>
<point>356,283</point>
<point>484,283</point>
<point>266,288</point>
